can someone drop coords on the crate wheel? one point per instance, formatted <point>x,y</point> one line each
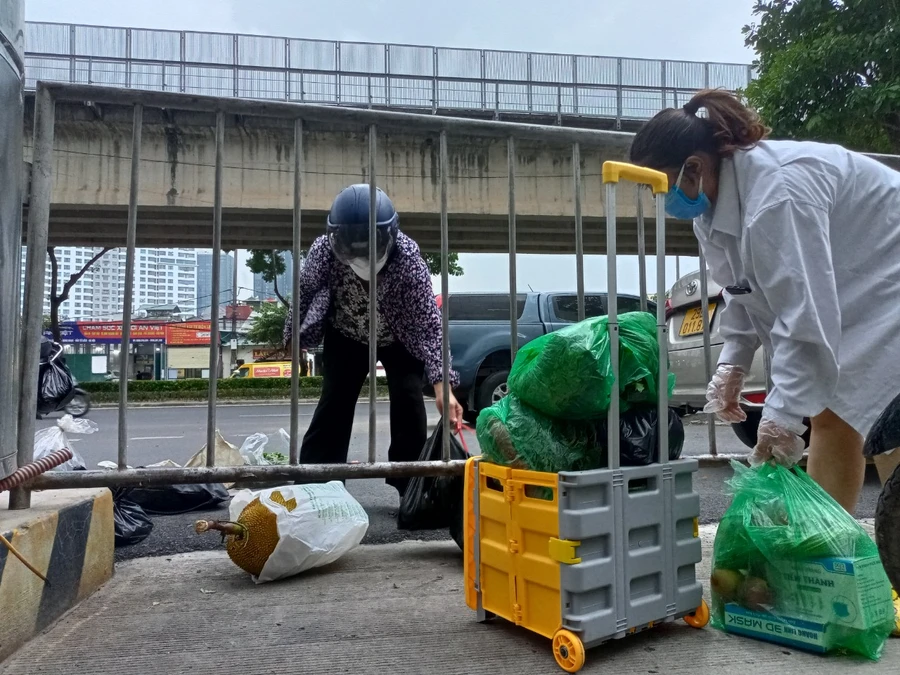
<point>700,617</point>
<point>568,651</point>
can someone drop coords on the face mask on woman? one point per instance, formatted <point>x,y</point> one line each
<point>679,205</point>
<point>361,267</point>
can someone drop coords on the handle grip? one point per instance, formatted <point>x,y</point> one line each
<point>613,172</point>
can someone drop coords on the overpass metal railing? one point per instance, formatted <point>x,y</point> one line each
<point>376,122</point>
<point>407,77</point>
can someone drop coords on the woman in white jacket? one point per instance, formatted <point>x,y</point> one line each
<point>805,238</point>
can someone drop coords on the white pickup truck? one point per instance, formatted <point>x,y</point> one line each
<point>685,321</point>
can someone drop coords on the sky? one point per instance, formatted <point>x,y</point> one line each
<point>700,30</point>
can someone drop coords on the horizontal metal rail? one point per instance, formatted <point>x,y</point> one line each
<point>354,73</point>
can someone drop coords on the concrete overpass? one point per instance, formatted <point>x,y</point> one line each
<point>91,163</point>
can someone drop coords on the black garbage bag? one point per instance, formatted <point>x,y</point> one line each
<point>170,500</point>
<point>132,525</point>
<point>638,436</point>
<point>430,501</point>
<point>55,383</point>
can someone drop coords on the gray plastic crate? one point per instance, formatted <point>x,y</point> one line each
<point>638,548</point>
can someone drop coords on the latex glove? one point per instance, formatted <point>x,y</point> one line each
<point>455,414</point>
<point>724,394</point>
<point>777,444</point>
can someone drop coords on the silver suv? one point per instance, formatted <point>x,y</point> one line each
<point>685,321</point>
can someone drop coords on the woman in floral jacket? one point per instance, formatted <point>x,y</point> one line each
<point>333,304</point>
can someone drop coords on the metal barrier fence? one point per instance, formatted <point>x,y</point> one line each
<point>375,122</point>
<point>409,77</point>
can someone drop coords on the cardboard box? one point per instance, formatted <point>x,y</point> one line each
<point>818,603</point>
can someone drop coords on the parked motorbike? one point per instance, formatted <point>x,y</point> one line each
<point>58,390</point>
<point>883,439</point>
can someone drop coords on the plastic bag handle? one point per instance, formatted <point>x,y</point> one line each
<point>462,438</point>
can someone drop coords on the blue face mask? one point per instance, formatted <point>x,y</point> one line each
<point>679,205</point>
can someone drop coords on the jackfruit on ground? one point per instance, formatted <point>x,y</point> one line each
<point>253,538</point>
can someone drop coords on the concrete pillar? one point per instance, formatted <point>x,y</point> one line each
<point>12,69</point>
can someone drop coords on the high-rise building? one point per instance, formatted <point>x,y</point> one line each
<point>204,280</point>
<point>161,277</point>
<point>265,290</point>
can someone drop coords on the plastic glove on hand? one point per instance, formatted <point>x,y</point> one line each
<point>777,444</point>
<point>724,394</point>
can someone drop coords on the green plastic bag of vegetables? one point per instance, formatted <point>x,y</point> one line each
<point>568,375</point>
<point>791,566</point>
<point>513,434</point>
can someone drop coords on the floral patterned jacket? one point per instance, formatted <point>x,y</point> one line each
<point>405,302</point>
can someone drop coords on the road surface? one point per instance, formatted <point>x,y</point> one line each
<point>178,432</point>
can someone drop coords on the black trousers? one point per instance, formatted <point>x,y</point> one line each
<point>345,369</point>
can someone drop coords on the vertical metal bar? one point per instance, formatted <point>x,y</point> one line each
<point>72,51</point>
<point>182,55</point>
<point>90,73</point>
<point>287,69</point>
<point>235,56</point>
<point>387,74</point>
<point>642,248</point>
<point>445,297</point>
<point>662,329</point>
<point>35,263</point>
<point>214,335</point>
<point>677,266</point>
<point>295,293</point>
<point>12,179</point>
<point>128,298</point>
<point>612,311</point>
<point>483,81</point>
<point>579,230</point>
<point>434,80</point>
<point>369,90</point>
<point>530,86</point>
<point>338,80</point>
<point>513,295</point>
<point>559,105</point>
<point>707,349</point>
<point>618,93</point>
<point>575,84</point>
<point>662,81</point>
<point>373,296</point>
<point>128,58</point>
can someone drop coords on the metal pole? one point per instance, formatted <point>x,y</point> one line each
<point>707,353</point>
<point>35,263</point>
<point>128,298</point>
<point>373,298</point>
<point>215,339</point>
<point>677,267</point>
<point>613,325</point>
<point>579,230</point>
<point>445,295</point>
<point>662,330</point>
<point>11,128</point>
<point>295,293</point>
<point>513,298</point>
<point>234,294</point>
<point>642,249</point>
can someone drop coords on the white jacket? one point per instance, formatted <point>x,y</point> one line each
<point>813,231</point>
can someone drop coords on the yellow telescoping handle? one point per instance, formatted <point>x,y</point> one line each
<point>613,172</point>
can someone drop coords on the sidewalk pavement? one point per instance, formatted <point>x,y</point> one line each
<point>394,608</point>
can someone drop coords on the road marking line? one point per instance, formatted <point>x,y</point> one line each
<point>156,438</point>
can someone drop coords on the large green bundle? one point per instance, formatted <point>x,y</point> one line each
<point>513,434</point>
<point>568,374</point>
<point>791,566</point>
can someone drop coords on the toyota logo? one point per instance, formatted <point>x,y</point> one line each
<point>692,287</point>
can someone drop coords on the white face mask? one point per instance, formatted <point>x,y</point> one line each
<point>361,267</point>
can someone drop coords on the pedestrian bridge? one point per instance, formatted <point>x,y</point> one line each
<point>606,95</point>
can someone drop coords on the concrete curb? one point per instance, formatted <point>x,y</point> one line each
<point>67,535</point>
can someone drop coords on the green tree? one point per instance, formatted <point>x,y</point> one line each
<point>433,260</point>
<point>270,265</point>
<point>59,295</point>
<point>828,70</point>
<point>268,325</point>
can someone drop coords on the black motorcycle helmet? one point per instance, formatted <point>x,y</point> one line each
<point>348,226</point>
